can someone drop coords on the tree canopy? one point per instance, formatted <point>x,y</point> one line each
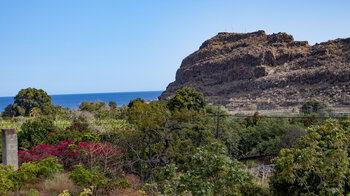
<point>187,98</point>
<point>313,106</point>
<point>317,165</point>
<point>29,102</point>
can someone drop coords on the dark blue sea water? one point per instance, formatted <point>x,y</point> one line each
<point>72,101</point>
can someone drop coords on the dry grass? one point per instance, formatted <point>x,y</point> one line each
<point>60,182</point>
<point>262,182</point>
<point>133,180</point>
<point>125,192</point>
<point>55,185</point>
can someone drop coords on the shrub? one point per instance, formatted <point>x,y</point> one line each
<point>99,109</point>
<point>28,173</point>
<point>293,133</point>
<point>214,174</point>
<point>100,178</point>
<point>34,132</point>
<point>86,192</point>
<point>74,133</point>
<point>81,117</point>
<point>112,105</point>
<point>6,184</point>
<point>133,102</point>
<point>32,192</point>
<point>70,154</point>
<point>81,176</point>
<point>107,126</point>
<point>313,106</point>
<point>252,107</point>
<point>262,135</point>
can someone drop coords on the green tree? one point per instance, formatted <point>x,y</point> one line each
<point>213,173</point>
<point>149,142</point>
<point>313,106</point>
<point>187,98</point>
<point>132,102</point>
<point>9,111</point>
<point>28,102</point>
<point>317,165</point>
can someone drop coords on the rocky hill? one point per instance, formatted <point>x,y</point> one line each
<point>238,70</point>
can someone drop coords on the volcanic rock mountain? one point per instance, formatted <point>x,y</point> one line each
<point>237,70</point>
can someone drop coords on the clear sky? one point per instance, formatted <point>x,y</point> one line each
<point>87,46</point>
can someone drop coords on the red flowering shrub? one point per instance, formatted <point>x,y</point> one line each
<point>70,154</point>
<point>38,153</point>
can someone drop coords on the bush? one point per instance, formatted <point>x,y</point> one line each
<point>81,176</point>
<point>260,135</point>
<point>97,177</point>
<point>313,106</point>
<point>77,133</point>
<point>34,132</point>
<point>214,174</point>
<point>32,192</point>
<point>6,184</point>
<point>99,109</point>
<point>70,154</point>
<point>252,107</point>
<point>293,133</point>
<point>81,117</point>
<point>29,172</point>
<point>107,126</point>
<point>317,165</point>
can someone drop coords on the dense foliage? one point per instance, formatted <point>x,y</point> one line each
<point>317,165</point>
<point>34,132</point>
<point>180,147</point>
<point>313,106</point>
<point>30,102</point>
<point>70,154</point>
<point>187,98</point>
<point>29,172</point>
<point>214,174</point>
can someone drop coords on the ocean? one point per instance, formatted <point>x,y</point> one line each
<point>72,101</point>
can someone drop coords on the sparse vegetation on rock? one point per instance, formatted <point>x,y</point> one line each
<point>270,71</point>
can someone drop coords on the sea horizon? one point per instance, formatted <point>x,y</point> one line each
<point>72,101</point>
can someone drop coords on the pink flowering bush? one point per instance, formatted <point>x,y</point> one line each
<point>70,154</point>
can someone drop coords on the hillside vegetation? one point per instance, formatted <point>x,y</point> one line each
<point>175,148</point>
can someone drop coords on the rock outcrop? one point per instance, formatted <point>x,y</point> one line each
<point>270,71</point>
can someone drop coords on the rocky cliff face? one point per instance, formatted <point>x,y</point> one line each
<point>269,71</point>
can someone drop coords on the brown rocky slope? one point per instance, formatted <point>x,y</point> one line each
<point>270,71</point>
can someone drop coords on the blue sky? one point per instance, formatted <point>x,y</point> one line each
<point>85,46</point>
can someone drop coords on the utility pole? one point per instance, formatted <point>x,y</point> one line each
<point>218,123</point>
